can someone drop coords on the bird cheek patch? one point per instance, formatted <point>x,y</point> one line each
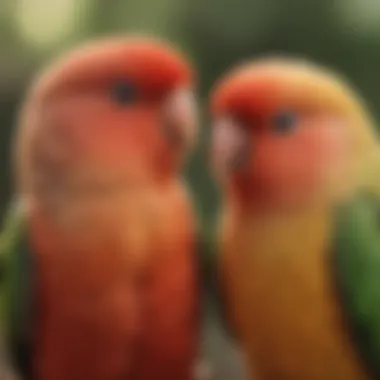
<point>334,150</point>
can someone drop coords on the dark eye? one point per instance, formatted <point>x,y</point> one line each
<point>124,93</point>
<point>285,123</point>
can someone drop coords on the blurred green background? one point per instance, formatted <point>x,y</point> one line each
<point>344,34</point>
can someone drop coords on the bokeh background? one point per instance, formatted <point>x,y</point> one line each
<point>343,34</point>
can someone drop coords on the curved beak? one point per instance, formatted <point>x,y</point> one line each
<point>230,147</point>
<point>181,118</point>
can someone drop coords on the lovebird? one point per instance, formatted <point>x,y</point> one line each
<point>100,245</point>
<point>296,155</point>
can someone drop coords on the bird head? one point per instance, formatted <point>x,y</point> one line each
<point>287,132</point>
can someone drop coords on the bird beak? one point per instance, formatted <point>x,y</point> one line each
<point>230,145</point>
<point>181,118</point>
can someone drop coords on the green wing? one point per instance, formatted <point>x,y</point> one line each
<point>212,285</point>
<point>17,298</point>
<point>357,270</point>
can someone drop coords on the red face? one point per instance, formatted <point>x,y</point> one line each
<point>111,114</point>
<point>273,149</point>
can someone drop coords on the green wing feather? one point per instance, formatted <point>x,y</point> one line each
<point>357,271</point>
<point>17,296</point>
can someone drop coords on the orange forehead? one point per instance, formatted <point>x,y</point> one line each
<point>263,86</point>
<point>245,96</point>
<point>153,66</point>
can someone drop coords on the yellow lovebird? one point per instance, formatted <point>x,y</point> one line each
<point>296,155</point>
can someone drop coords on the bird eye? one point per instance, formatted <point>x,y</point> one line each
<point>124,93</point>
<point>285,123</point>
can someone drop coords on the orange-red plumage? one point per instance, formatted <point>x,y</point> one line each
<point>109,219</point>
